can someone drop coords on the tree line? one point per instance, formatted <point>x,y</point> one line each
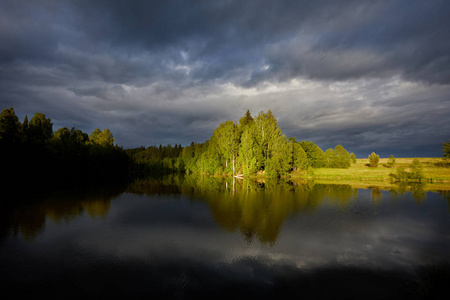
<point>32,152</point>
<point>251,146</point>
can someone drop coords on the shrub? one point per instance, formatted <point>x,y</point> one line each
<point>415,172</point>
<point>373,160</point>
<point>446,150</point>
<point>391,161</point>
<point>401,174</point>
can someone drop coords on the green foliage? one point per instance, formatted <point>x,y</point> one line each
<point>401,173</point>
<point>267,136</point>
<point>343,159</point>
<point>248,152</point>
<point>373,160</point>
<point>299,159</point>
<point>337,158</point>
<point>415,172</point>
<point>103,138</point>
<point>246,120</point>
<point>225,141</point>
<point>256,146</point>
<point>280,161</point>
<point>446,150</point>
<point>353,157</point>
<point>391,161</point>
<point>315,155</point>
<point>253,146</point>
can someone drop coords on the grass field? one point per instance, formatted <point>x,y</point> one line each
<point>360,174</point>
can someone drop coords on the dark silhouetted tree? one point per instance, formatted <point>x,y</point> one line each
<point>9,126</point>
<point>40,129</point>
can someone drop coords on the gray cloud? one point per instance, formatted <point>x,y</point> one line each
<point>372,75</point>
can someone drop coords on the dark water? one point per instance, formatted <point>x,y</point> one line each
<point>186,237</point>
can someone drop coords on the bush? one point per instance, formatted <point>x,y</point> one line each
<point>415,172</point>
<point>446,150</point>
<point>373,160</point>
<point>401,174</point>
<point>391,161</point>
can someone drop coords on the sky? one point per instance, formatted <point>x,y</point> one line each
<point>373,76</point>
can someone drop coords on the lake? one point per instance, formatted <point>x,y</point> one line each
<point>191,236</point>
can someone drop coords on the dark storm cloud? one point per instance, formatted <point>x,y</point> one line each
<point>320,39</point>
<point>158,72</point>
<point>409,38</point>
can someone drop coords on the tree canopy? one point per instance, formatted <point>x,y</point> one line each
<point>252,146</point>
<point>66,154</point>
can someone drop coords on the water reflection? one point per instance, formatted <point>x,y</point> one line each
<point>185,237</point>
<point>255,208</point>
<point>26,214</point>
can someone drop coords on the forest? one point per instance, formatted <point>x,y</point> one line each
<point>249,147</point>
<point>32,152</point>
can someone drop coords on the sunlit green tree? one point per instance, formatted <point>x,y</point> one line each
<point>446,149</point>
<point>391,161</point>
<point>373,160</point>
<point>225,140</point>
<point>316,156</point>
<point>416,170</point>
<point>248,150</point>
<point>330,158</point>
<point>280,160</point>
<point>342,157</point>
<point>103,137</point>
<point>299,160</point>
<point>267,135</point>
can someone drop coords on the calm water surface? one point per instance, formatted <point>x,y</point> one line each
<point>184,237</point>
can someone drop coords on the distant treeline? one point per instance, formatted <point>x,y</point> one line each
<point>252,146</point>
<point>31,152</point>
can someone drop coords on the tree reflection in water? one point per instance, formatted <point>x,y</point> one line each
<point>255,208</point>
<point>27,213</point>
<point>291,238</point>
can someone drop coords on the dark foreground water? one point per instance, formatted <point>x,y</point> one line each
<point>190,237</point>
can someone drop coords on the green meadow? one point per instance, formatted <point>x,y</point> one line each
<point>436,173</point>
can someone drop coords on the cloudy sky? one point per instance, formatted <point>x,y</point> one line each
<point>370,75</point>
